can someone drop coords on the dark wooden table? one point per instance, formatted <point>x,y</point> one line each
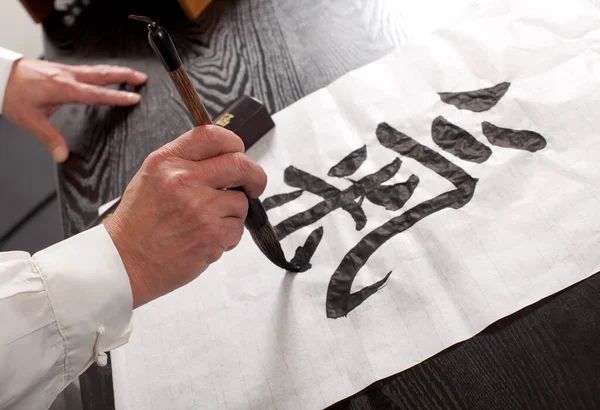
<point>545,356</point>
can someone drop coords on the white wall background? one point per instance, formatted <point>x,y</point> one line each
<point>18,32</point>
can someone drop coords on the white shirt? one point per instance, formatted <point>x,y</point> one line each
<point>7,58</point>
<point>60,309</point>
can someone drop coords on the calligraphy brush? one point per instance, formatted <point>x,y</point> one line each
<point>256,222</point>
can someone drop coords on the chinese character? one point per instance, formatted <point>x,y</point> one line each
<point>451,138</point>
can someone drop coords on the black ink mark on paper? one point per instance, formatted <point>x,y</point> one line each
<point>299,179</point>
<point>304,253</point>
<point>508,138</point>
<point>281,199</point>
<point>343,199</point>
<point>453,139</point>
<point>349,164</point>
<point>355,299</point>
<point>478,100</point>
<point>393,197</point>
<point>339,299</point>
<point>401,143</point>
<point>458,142</point>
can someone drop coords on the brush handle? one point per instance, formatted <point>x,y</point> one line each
<point>257,216</point>
<point>190,97</point>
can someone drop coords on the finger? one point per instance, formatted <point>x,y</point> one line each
<point>43,129</point>
<point>204,142</point>
<point>233,170</point>
<point>233,229</point>
<point>232,204</point>
<point>96,95</point>
<point>106,74</point>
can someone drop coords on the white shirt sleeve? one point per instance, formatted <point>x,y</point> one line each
<point>60,310</point>
<point>7,59</point>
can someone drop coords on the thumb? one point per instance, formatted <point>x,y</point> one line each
<point>47,133</point>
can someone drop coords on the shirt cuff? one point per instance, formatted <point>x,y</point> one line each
<point>90,294</point>
<point>7,59</point>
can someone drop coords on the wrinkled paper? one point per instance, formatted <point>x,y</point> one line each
<point>510,217</point>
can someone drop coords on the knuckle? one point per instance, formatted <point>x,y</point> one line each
<point>178,147</point>
<point>153,161</point>
<point>53,74</point>
<point>210,134</point>
<point>63,84</point>
<point>176,178</point>
<point>208,171</point>
<point>221,137</point>
<point>241,204</point>
<point>240,163</point>
<point>201,205</point>
<point>103,70</point>
<point>97,93</point>
<point>213,254</point>
<point>235,143</point>
<point>196,211</point>
<point>237,231</point>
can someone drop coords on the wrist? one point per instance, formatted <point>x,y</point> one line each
<point>132,259</point>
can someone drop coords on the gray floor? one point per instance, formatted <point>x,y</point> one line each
<point>29,216</point>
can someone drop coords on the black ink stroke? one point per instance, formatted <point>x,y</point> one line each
<point>304,253</point>
<point>477,100</point>
<point>339,299</point>
<point>343,199</point>
<point>349,164</point>
<point>401,143</point>
<point>508,138</point>
<point>458,142</point>
<point>355,299</point>
<point>393,197</point>
<point>281,199</point>
<point>299,179</point>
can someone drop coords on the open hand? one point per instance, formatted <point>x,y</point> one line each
<point>36,89</point>
<point>175,218</point>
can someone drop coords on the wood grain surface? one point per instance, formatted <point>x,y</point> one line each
<point>545,356</point>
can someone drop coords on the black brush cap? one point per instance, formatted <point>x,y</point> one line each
<point>163,46</point>
<point>161,43</point>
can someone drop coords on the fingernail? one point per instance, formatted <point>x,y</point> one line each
<point>141,76</point>
<point>134,98</point>
<point>60,154</point>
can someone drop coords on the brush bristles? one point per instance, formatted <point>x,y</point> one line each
<point>266,240</point>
